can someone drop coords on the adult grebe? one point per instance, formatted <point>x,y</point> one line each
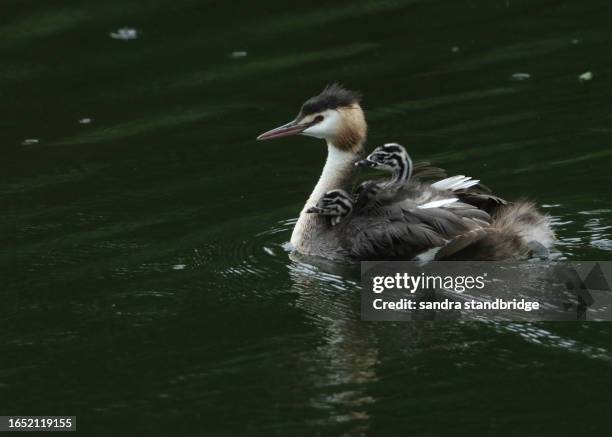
<point>336,116</point>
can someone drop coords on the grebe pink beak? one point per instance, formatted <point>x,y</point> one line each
<point>291,128</point>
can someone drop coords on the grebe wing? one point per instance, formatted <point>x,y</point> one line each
<point>469,211</point>
<point>482,198</point>
<point>452,250</point>
<point>388,239</point>
<point>448,223</point>
<point>424,170</point>
<point>383,229</point>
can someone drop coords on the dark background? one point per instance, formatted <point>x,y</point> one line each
<point>145,287</point>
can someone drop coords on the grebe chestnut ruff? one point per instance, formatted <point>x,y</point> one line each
<point>399,229</point>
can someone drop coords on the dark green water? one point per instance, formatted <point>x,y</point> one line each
<point>145,287</point>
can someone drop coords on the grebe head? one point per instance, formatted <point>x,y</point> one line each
<point>391,157</point>
<point>334,115</point>
<point>336,204</point>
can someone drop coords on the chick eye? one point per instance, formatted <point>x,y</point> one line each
<point>319,119</point>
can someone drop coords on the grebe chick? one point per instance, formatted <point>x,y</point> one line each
<point>390,157</point>
<point>335,204</point>
<point>394,158</point>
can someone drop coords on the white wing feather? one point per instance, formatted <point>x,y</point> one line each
<point>455,183</point>
<point>438,203</point>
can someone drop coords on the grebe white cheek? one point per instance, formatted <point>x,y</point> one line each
<point>328,125</point>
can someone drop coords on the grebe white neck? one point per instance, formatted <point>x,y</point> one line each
<point>338,173</point>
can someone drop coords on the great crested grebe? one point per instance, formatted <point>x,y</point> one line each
<point>336,116</point>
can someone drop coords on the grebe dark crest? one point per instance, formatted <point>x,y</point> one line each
<point>403,216</point>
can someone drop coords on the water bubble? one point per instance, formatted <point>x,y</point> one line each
<point>585,76</point>
<point>455,49</point>
<point>30,141</point>
<point>85,121</point>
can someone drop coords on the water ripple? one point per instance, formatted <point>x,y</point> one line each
<point>537,334</point>
<point>260,256</point>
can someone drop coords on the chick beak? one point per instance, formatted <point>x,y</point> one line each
<point>291,128</point>
<point>365,163</point>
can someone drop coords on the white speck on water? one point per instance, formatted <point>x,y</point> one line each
<point>124,33</point>
<point>85,121</point>
<point>238,54</point>
<point>520,76</point>
<point>30,141</point>
<point>575,41</point>
<point>585,76</point>
<point>455,49</point>
<point>179,266</point>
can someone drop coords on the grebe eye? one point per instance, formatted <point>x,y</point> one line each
<point>318,119</point>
